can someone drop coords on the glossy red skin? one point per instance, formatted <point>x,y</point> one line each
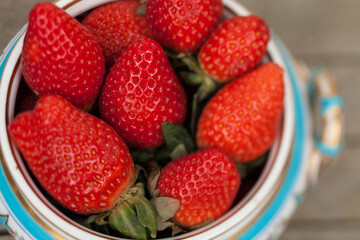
<point>61,57</point>
<point>236,46</point>
<point>183,26</point>
<point>140,93</point>
<point>115,26</point>
<point>242,118</point>
<point>205,182</point>
<point>77,158</point>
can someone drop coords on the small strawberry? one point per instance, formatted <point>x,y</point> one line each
<point>242,118</point>
<point>140,93</point>
<point>236,46</point>
<point>115,26</point>
<point>206,183</point>
<point>61,56</point>
<point>77,158</point>
<point>183,26</point>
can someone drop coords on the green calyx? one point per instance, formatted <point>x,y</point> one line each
<point>197,77</point>
<point>206,86</point>
<point>165,207</point>
<point>133,215</point>
<point>178,142</point>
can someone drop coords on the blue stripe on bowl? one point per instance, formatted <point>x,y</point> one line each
<point>17,211</point>
<point>296,156</point>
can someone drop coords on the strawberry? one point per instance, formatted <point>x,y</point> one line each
<point>242,118</point>
<point>183,26</point>
<point>61,56</point>
<point>236,46</point>
<point>77,158</point>
<point>115,26</point>
<point>206,183</point>
<point>141,92</point>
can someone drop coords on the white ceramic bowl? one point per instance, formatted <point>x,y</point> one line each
<point>28,214</point>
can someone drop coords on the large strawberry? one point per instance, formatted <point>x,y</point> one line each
<point>183,25</point>
<point>236,46</point>
<point>115,26</point>
<point>140,93</point>
<point>206,183</point>
<point>77,158</point>
<point>242,118</point>
<point>61,56</point>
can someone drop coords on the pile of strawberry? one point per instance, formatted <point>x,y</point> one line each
<point>144,111</point>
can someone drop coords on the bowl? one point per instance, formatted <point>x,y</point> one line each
<point>264,207</point>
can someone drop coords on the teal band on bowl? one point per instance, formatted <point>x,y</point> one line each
<point>330,151</point>
<point>326,103</point>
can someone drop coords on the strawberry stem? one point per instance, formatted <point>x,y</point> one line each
<point>192,64</point>
<point>191,78</point>
<point>197,77</point>
<point>207,87</point>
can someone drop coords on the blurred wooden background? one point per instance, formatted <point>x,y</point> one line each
<point>321,32</point>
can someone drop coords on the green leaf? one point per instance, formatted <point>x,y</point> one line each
<point>98,219</point>
<point>176,229</point>
<point>179,151</point>
<point>152,182</point>
<point>162,155</point>
<point>241,169</point>
<point>162,224</point>
<point>137,175</point>
<point>141,10</point>
<point>257,162</point>
<point>194,114</point>
<point>136,191</point>
<point>101,220</point>
<point>166,207</point>
<point>208,87</point>
<point>175,135</point>
<point>146,214</point>
<point>97,222</point>
<point>124,219</point>
<point>245,169</point>
<point>191,78</point>
<point>142,156</point>
<point>88,221</point>
<point>191,62</point>
<point>102,229</point>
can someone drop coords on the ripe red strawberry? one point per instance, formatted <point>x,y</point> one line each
<point>140,93</point>
<point>60,56</point>
<point>183,25</point>
<point>236,46</point>
<point>242,118</point>
<point>115,26</point>
<point>205,182</point>
<point>77,158</point>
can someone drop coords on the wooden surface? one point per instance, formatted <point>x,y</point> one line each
<point>321,32</point>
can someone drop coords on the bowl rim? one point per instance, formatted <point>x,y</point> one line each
<point>19,183</point>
